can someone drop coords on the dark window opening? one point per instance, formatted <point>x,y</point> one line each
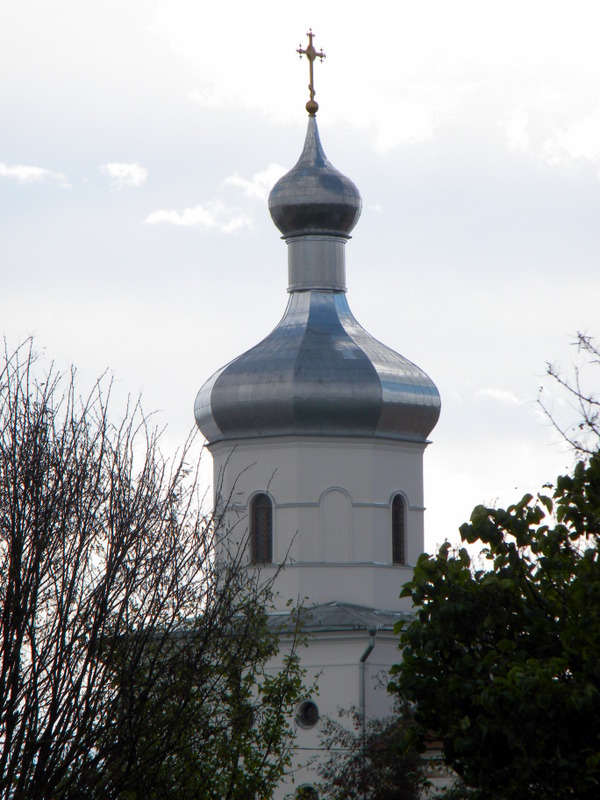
<point>307,715</point>
<point>261,529</point>
<point>398,531</point>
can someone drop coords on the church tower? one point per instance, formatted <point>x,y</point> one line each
<point>317,435</point>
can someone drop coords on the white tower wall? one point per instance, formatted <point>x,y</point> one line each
<point>332,526</point>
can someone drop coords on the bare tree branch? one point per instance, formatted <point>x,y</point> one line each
<point>131,652</point>
<point>583,435</point>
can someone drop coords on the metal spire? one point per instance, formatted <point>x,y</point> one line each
<point>312,106</point>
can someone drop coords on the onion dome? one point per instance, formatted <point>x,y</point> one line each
<point>318,373</point>
<point>314,197</point>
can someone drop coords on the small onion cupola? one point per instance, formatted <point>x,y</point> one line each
<point>314,197</point>
<point>318,373</point>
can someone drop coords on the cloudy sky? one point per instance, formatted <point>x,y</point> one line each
<point>139,140</point>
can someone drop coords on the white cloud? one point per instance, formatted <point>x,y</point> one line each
<point>501,395</point>
<point>211,98</point>
<point>260,184</point>
<point>124,175</point>
<point>28,174</point>
<point>210,216</point>
<point>516,126</point>
<point>580,139</point>
<point>419,77</point>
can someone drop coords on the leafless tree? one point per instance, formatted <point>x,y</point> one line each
<point>132,659</point>
<point>583,435</point>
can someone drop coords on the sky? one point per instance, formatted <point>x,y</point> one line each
<point>140,138</point>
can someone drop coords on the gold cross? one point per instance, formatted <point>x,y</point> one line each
<point>312,106</point>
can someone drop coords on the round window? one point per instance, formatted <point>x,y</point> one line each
<point>307,793</point>
<point>307,715</point>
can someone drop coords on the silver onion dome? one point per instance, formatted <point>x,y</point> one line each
<point>314,197</point>
<point>318,373</point>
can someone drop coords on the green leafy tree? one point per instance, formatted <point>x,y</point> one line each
<point>366,760</point>
<point>503,662</point>
<point>134,660</point>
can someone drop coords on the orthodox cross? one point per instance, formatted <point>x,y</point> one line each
<point>310,52</point>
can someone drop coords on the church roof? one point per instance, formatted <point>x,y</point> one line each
<point>336,616</point>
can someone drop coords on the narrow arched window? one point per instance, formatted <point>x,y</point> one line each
<point>261,529</point>
<point>398,530</point>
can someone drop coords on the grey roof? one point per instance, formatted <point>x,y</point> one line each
<point>318,373</point>
<point>314,197</point>
<point>336,616</point>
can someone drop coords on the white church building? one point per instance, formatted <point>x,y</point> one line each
<point>317,435</point>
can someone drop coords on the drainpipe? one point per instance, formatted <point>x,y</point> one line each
<point>363,702</point>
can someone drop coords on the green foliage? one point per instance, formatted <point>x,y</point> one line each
<point>367,762</point>
<point>213,721</point>
<point>503,663</point>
